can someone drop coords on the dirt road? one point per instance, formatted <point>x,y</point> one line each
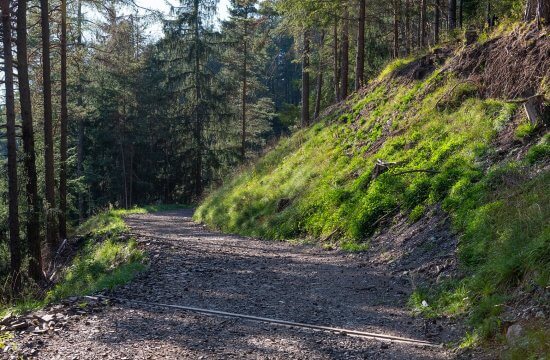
<point>193,266</point>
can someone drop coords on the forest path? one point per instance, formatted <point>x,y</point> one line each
<point>192,266</point>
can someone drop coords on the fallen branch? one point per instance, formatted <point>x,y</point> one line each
<point>417,171</point>
<point>524,100</point>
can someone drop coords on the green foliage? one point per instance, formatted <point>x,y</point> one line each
<point>394,65</point>
<point>324,178</point>
<point>540,152</point>
<point>525,129</point>
<point>417,213</point>
<point>106,260</point>
<point>99,266</point>
<point>533,346</point>
<point>505,244</point>
<point>325,173</point>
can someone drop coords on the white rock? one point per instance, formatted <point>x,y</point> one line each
<point>424,303</point>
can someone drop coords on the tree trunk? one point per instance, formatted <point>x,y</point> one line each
<point>305,80</point>
<point>13,194</point>
<point>63,126</point>
<point>360,61</point>
<point>396,4</point>
<point>436,22</point>
<point>80,102</point>
<point>543,12</point>
<point>423,20</point>
<point>408,30</point>
<point>538,10</point>
<point>33,216</point>
<point>345,55</point>
<point>460,14</point>
<point>320,70</point>
<point>51,228</point>
<point>452,14</point>
<point>198,105</point>
<point>336,67</point>
<point>244,92</point>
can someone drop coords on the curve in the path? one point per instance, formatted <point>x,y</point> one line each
<point>192,266</point>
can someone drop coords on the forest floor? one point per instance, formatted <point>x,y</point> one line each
<point>193,266</point>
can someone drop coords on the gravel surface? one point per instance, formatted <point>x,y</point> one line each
<point>193,266</point>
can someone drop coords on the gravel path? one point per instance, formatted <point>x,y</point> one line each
<point>193,266</point>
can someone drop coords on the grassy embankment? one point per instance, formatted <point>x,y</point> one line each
<point>439,134</point>
<point>108,258</point>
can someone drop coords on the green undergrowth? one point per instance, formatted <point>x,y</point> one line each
<point>319,183</point>
<point>107,258</point>
<point>438,134</point>
<point>505,246</point>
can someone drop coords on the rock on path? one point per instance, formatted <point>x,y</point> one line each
<point>193,266</point>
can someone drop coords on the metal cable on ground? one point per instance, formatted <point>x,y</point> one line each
<point>355,333</point>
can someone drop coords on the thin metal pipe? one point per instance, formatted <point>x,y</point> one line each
<point>362,334</point>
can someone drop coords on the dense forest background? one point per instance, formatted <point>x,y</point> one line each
<point>97,115</point>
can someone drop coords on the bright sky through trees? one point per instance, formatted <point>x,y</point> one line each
<point>164,6</point>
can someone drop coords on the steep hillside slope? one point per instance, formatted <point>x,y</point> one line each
<point>435,138</point>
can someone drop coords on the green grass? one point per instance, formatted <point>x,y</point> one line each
<point>324,177</point>
<point>326,171</point>
<point>533,346</point>
<point>100,266</point>
<point>107,259</point>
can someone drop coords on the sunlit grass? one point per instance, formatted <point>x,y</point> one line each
<point>107,259</point>
<point>319,183</point>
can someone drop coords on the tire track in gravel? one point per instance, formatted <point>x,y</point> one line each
<point>193,266</point>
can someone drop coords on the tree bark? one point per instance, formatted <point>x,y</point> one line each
<point>244,92</point>
<point>396,4</point>
<point>80,141</point>
<point>320,70</point>
<point>461,14</point>
<point>198,104</point>
<point>423,20</point>
<point>305,80</point>
<point>336,65</point>
<point>345,55</point>
<point>51,228</point>
<point>437,19</point>
<point>13,193</point>
<point>63,126</point>
<point>360,60</point>
<point>538,10</point>
<point>31,186</point>
<point>452,14</point>
<point>408,30</point>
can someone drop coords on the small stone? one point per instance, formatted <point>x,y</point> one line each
<point>424,303</point>
<point>47,318</point>
<point>514,333</point>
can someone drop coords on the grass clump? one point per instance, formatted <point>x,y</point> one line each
<point>505,245</point>
<point>525,129</point>
<point>540,152</point>
<point>533,346</point>
<point>100,266</point>
<point>324,174</point>
<point>107,259</point>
